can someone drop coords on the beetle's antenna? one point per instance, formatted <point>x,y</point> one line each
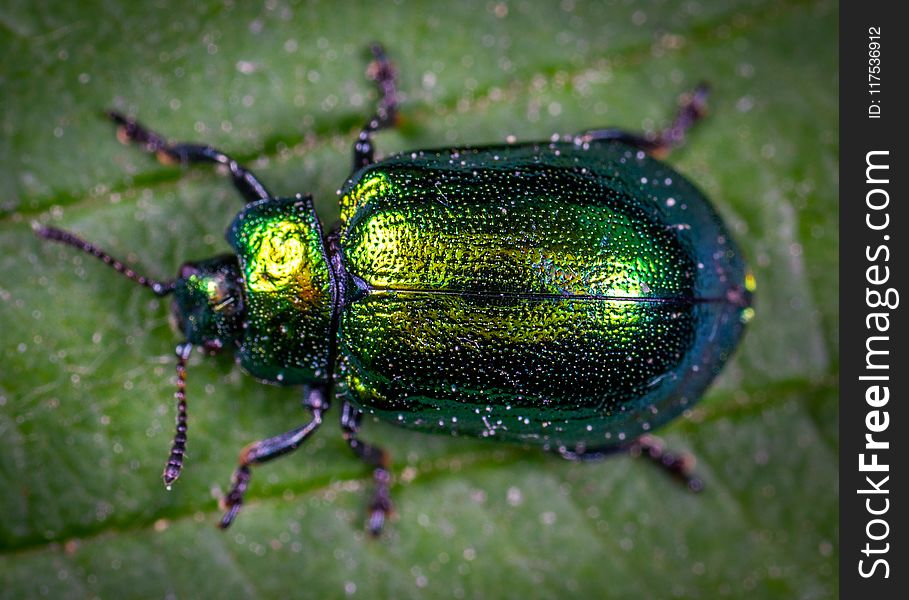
<point>178,449</point>
<point>160,288</point>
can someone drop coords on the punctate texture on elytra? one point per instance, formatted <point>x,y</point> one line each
<point>553,294</point>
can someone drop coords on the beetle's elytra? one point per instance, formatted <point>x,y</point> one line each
<point>571,294</point>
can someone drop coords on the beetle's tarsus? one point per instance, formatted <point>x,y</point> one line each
<point>382,72</point>
<point>268,449</point>
<point>380,506</point>
<point>680,466</point>
<point>692,108</point>
<point>130,131</point>
<point>233,501</point>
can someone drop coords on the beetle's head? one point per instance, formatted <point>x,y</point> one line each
<point>208,308</point>
<point>208,305</point>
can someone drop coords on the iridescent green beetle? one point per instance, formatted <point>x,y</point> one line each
<point>572,294</point>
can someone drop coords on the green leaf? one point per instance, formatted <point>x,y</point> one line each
<point>86,409</point>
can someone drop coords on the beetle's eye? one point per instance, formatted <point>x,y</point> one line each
<point>214,290</point>
<point>222,295</point>
<point>223,301</point>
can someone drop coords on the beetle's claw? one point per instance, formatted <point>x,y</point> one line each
<point>380,68</point>
<point>695,484</point>
<point>116,116</point>
<point>125,126</point>
<point>377,50</point>
<point>696,101</point>
<point>380,509</point>
<point>231,512</point>
<point>680,466</point>
<point>376,523</point>
<point>233,501</point>
<point>231,505</point>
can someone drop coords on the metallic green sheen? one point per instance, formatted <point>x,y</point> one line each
<point>564,295</point>
<point>288,287</point>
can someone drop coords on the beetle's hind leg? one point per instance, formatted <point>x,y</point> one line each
<point>692,107</point>
<point>380,506</point>
<point>679,466</point>
<point>383,73</point>
<point>315,401</point>
<point>131,131</point>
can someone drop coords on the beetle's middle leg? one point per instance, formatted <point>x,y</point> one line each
<point>380,506</point>
<point>383,73</point>
<point>692,107</point>
<point>315,401</point>
<point>131,131</point>
<point>678,466</point>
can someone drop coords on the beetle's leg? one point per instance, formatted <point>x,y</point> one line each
<point>679,466</point>
<point>692,107</point>
<point>380,506</point>
<point>316,402</point>
<point>131,131</point>
<point>383,73</point>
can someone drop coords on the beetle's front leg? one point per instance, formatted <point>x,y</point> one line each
<point>316,402</point>
<point>380,506</point>
<point>383,73</point>
<point>131,131</point>
<point>679,466</point>
<point>692,108</point>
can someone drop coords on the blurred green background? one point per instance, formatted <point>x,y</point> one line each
<point>86,382</point>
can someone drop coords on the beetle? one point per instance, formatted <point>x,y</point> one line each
<point>572,294</point>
